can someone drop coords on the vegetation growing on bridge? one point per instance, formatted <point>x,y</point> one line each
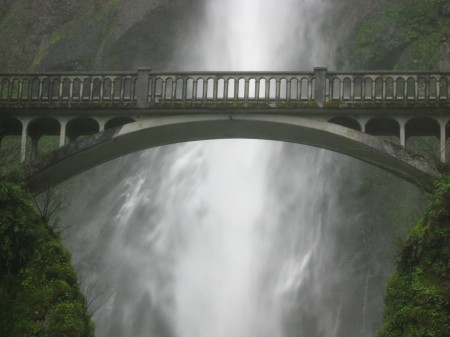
<point>418,294</point>
<point>38,286</point>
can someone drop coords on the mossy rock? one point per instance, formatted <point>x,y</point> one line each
<point>38,286</point>
<point>418,294</point>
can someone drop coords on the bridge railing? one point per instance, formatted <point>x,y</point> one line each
<point>68,88</point>
<point>146,89</point>
<point>320,86</point>
<point>388,86</point>
<point>230,87</point>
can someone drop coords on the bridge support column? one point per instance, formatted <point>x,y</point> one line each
<point>62,133</point>
<point>143,87</point>
<point>23,142</point>
<point>101,124</point>
<point>320,89</point>
<point>443,137</point>
<point>34,146</point>
<point>402,133</point>
<point>362,122</point>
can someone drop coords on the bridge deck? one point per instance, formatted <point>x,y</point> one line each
<point>381,103</point>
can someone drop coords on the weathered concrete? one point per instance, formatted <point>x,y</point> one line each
<point>107,145</point>
<point>177,107</point>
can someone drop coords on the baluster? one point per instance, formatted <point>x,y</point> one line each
<point>19,98</point>
<point>448,88</point>
<point>134,90</point>
<point>41,88</point>
<point>352,88</point>
<point>267,89</point>
<point>405,89</point>
<point>374,88</point>
<point>394,89</point>
<point>341,88</point>
<point>174,88</point>
<point>152,88</point>
<point>236,89</point>
<point>416,88</point>
<point>299,88</point>
<point>71,89</point>
<point>111,89</point>
<point>194,89</point>
<point>288,89</point>
<point>10,89</point>
<point>214,88</point>
<point>163,89</point>
<point>309,84</point>
<point>257,86</point>
<point>102,84</point>
<point>91,89</point>
<point>363,88</point>
<point>61,84</point>
<point>184,89</point>
<point>438,88</point>
<point>226,83</point>
<point>246,89</point>
<point>205,89</point>
<point>278,90</point>
<point>81,89</point>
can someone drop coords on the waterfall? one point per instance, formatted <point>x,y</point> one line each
<point>220,238</point>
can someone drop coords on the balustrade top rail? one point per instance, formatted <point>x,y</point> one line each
<point>146,89</point>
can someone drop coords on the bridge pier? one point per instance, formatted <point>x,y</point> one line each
<point>320,88</point>
<point>402,123</point>
<point>143,86</point>
<point>23,141</point>
<point>62,133</point>
<point>443,139</point>
<point>34,146</point>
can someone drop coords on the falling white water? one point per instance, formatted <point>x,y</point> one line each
<point>220,238</point>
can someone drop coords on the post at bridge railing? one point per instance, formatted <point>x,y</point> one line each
<point>320,88</point>
<point>143,87</point>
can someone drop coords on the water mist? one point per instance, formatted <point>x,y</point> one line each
<point>221,238</point>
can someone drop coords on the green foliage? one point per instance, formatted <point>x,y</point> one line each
<point>38,286</point>
<point>382,38</point>
<point>418,295</point>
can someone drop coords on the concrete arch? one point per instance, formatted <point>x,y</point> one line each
<point>81,126</point>
<point>10,126</point>
<point>44,126</point>
<point>348,122</point>
<point>422,126</point>
<point>118,121</point>
<point>383,126</point>
<point>109,144</point>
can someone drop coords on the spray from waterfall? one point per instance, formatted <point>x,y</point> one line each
<point>222,238</point>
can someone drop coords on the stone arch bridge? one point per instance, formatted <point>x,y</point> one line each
<point>123,112</point>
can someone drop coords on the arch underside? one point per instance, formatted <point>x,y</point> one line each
<point>77,157</point>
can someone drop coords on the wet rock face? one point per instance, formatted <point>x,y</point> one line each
<point>149,43</point>
<point>444,52</point>
<point>445,10</point>
<point>70,35</point>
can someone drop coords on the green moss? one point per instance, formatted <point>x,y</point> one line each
<point>399,33</point>
<point>108,10</point>
<point>418,294</point>
<point>38,286</point>
<point>57,36</point>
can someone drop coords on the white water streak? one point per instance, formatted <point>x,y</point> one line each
<point>222,238</point>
